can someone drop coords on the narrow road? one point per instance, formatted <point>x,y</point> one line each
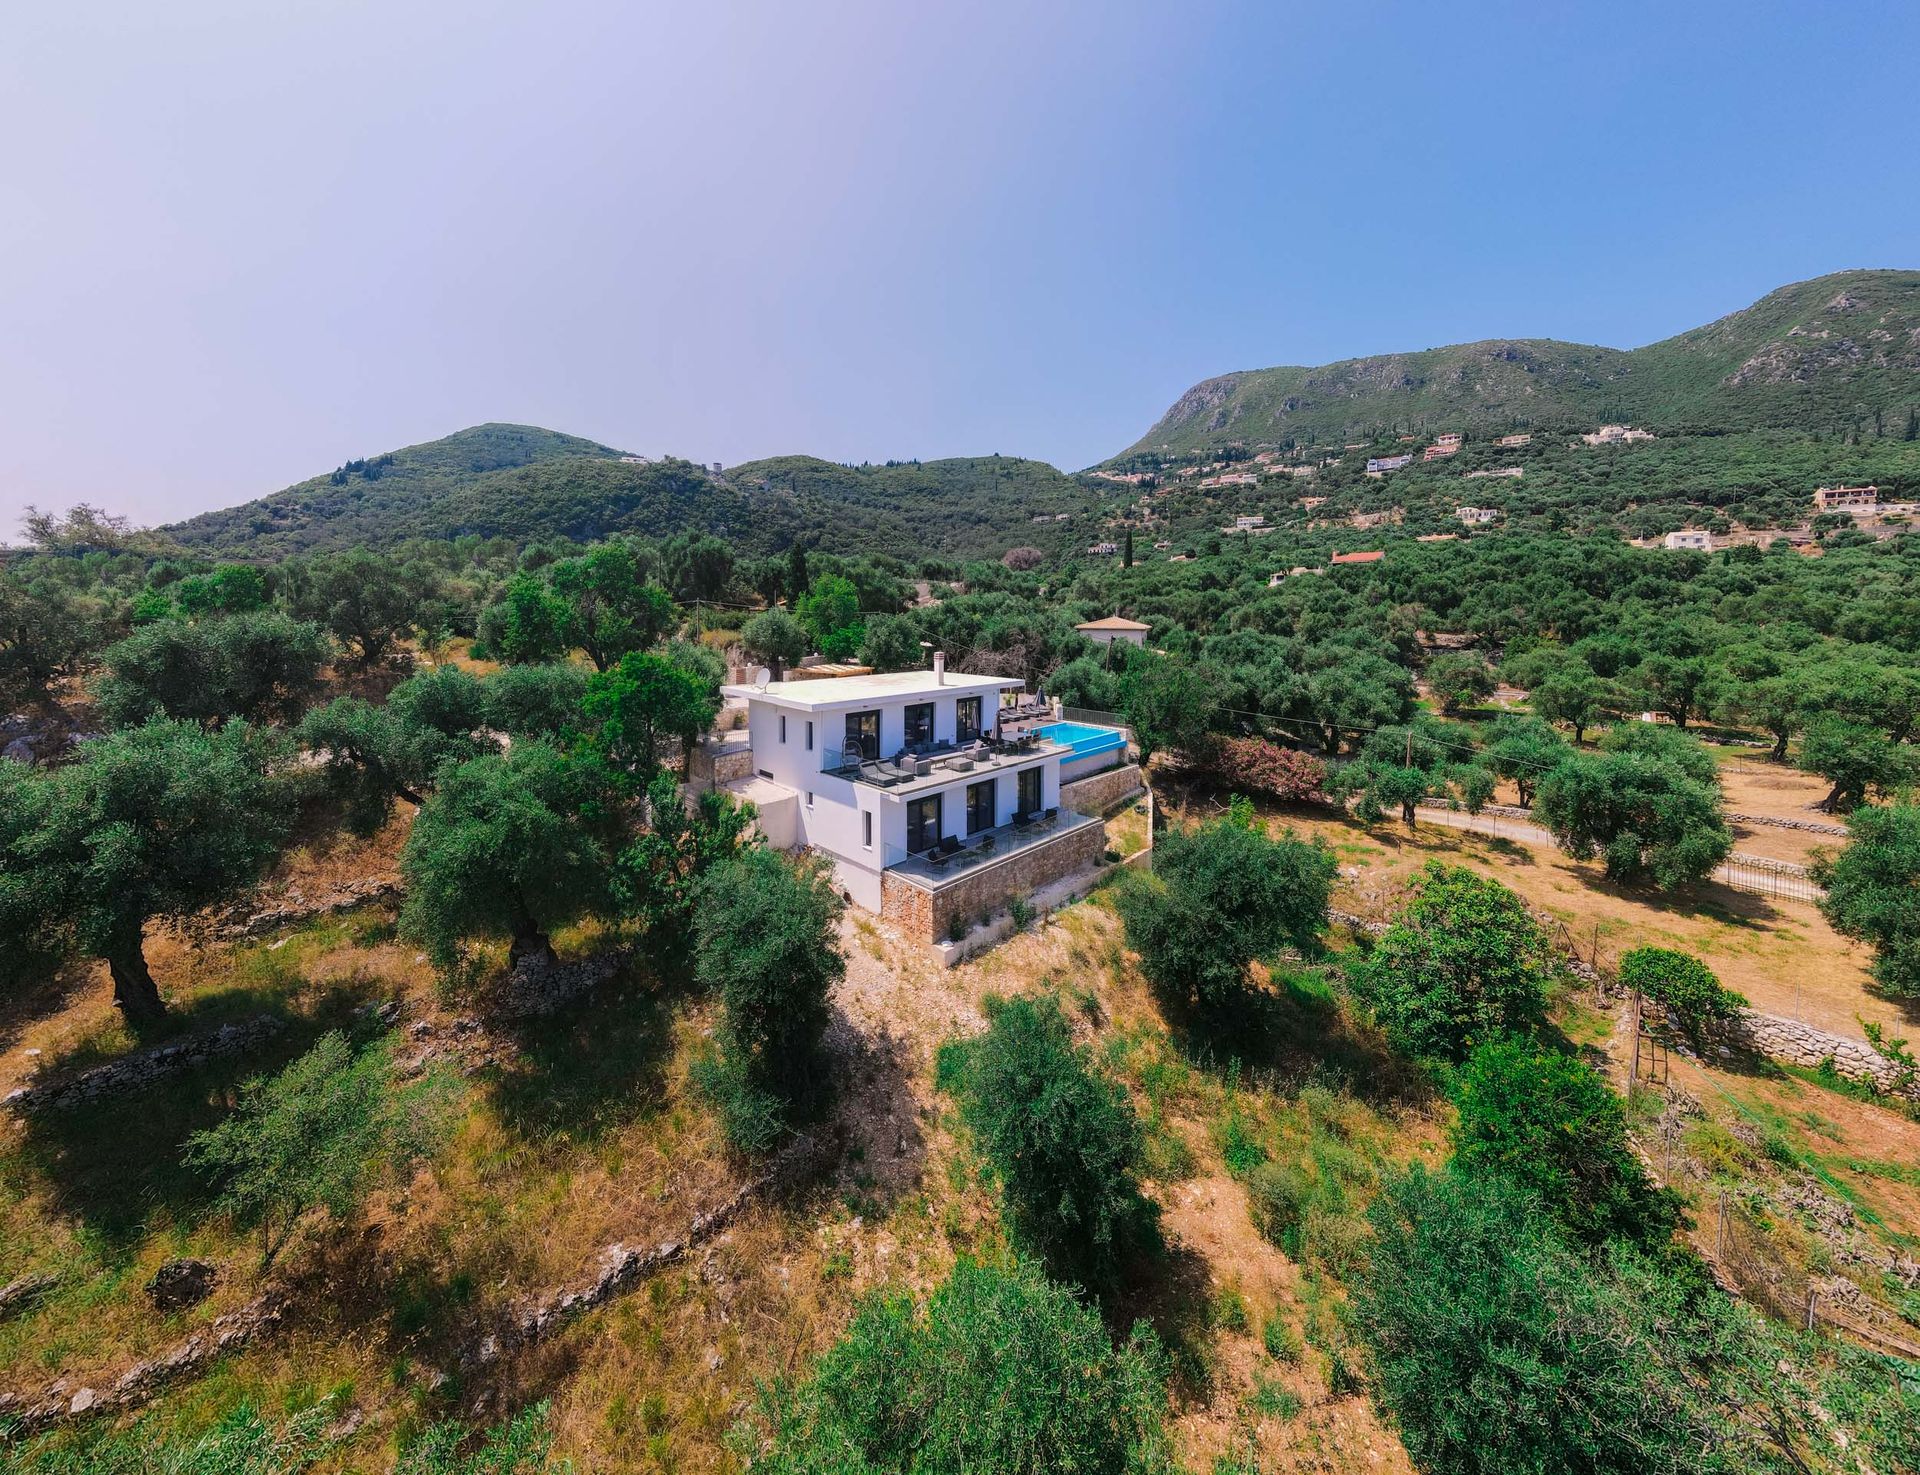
<point>1737,871</point>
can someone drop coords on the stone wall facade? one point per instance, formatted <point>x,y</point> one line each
<point>719,759</point>
<point>1099,792</point>
<point>926,915</point>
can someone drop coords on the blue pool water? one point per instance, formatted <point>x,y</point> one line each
<point>1085,740</point>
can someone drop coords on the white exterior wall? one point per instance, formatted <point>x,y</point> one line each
<point>1107,637</point>
<point>832,822</point>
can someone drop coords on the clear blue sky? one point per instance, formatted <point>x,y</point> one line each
<point>242,242</point>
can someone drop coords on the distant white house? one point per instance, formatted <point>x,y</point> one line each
<point>1378,464</point>
<point>1114,628</point>
<point>1696,538</point>
<point>1520,439</point>
<point>1103,550</point>
<point>1614,435</point>
<point>1477,516</point>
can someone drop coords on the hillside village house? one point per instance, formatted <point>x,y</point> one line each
<point>1446,445</point>
<point>1521,439</point>
<point>1114,629</point>
<point>1477,516</point>
<point>1832,499</point>
<point>1615,435</point>
<point>1695,538</point>
<point>1378,464</point>
<point>935,795</point>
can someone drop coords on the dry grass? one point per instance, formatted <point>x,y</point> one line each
<point>583,1130</point>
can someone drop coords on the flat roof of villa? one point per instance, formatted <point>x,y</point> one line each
<point>843,691</point>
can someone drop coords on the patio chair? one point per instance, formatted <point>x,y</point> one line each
<point>938,858</point>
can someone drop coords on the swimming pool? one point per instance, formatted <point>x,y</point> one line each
<point>1085,739</point>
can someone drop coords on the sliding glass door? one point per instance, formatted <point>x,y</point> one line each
<point>923,823</point>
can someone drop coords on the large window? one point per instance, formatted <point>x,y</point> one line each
<point>980,806</point>
<point>920,723</point>
<point>966,720</point>
<point>1029,790</point>
<point>863,736</point>
<point>923,823</point>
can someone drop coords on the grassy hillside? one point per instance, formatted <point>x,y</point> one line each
<point>1829,355</point>
<point>525,483</point>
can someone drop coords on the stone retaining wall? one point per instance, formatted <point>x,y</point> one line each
<point>924,915</point>
<point>1099,792</point>
<point>1796,1043</point>
<point>137,1072</point>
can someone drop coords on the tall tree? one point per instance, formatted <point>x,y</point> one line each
<point>613,609</point>
<point>512,845</point>
<point>645,702</point>
<point>764,942</point>
<point>154,821</point>
<point>1873,891</point>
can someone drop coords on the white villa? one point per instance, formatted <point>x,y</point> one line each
<point>936,795</point>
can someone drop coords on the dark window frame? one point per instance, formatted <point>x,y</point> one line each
<point>921,828</point>
<point>914,714</point>
<point>992,796</point>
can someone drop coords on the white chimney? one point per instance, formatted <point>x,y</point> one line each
<point>939,668</point>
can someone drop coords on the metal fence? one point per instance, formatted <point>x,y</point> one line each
<point>1762,875</point>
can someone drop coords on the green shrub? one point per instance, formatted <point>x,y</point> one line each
<point>1463,962</point>
<point>1552,1125</point>
<point>765,943</point>
<point>1280,1339</point>
<point>1062,1137</point>
<point>1001,1370</point>
<point>318,1135</point>
<point>1684,984</point>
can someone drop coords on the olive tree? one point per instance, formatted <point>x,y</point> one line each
<point>775,639</point>
<point>1463,961</point>
<point>261,666</point>
<point>1873,891</point>
<point>153,821</point>
<point>514,845</point>
<point>1062,1138</point>
<point>1219,897</point>
<point>764,943</point>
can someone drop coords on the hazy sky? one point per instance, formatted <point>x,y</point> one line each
<point>241,242</point>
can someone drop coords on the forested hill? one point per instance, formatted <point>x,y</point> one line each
<point>963,506</point>
<point>1837,354</point>
<point>529,484</point>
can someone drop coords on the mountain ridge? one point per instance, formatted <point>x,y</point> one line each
<point>1813,355</point>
